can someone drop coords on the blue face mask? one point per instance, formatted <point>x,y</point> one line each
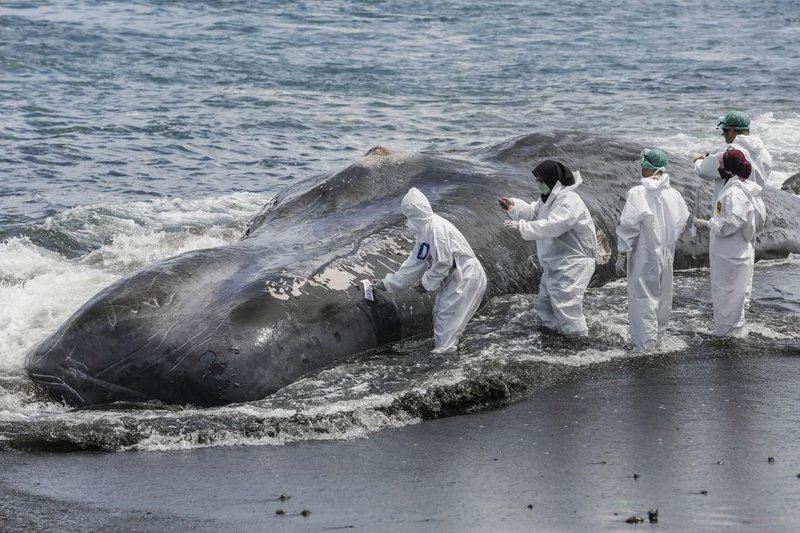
<point>543,188</point>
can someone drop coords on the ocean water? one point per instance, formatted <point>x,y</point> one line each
<point>134,131</point>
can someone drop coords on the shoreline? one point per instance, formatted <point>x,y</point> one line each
<point>691,437</point>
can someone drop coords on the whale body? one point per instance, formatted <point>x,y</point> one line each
<point>238,322</point>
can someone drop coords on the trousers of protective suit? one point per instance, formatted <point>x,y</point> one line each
<point>649,298</point>
<point>560,299</point>
<point>456,301</point>
<point>731,278</point>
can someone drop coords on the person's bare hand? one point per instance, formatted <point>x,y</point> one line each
<point>506,203</point>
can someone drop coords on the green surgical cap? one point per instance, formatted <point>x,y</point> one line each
<point>654,159</point>
<point>737,120</point>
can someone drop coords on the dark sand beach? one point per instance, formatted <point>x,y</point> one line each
<point>711,443</point>
<point>136,132</point>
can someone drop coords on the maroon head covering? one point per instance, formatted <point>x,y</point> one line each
<point>735,163</point>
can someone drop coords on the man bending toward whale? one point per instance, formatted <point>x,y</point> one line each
<point>443,261</point>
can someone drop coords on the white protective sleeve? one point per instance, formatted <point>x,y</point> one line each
<point>562,218</point>
<point>630,221</point>
<point>522,210</point>
<point>410,272</point>
<point>708,168</point>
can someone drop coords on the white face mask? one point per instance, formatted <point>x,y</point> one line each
<point>656,174</point>
<point>413,225</point>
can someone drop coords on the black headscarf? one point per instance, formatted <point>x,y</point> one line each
<point>551,172</point>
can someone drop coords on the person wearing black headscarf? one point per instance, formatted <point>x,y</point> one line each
<point>566,243</point>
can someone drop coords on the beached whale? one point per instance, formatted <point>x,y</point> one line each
<point>238,322</point>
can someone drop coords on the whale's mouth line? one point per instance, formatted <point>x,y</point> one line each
<point>100,391</point>
<point>55,383</point>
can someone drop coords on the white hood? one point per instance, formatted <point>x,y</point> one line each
<point>561,188</point>
<point>416,207</point>
<point>751,188</point>
<point>752,144</point>
<point>758,156</point>
<point>661,181</point>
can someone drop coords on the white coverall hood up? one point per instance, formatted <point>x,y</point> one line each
<point>651,222</point>
<point>566,243</point>
<point>444,262</point>
<point>753,150</point>
<point>733,226</point>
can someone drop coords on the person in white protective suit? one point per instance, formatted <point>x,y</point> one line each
<point>738,215</point>
<point>735,126</point>
<point>566,243</point>
<point>653,218</point>
<point>442,261</point>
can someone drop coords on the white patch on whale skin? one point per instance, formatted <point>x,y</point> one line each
<point>282,290</point>
<point>603,254</point>
<point>335,279</point>
<point>343,273</point>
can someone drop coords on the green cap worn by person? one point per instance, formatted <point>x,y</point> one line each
<point>654,159</point>
<point>735,120</point>
<point>735,126</point>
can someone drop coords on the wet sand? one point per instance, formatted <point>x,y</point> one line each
<point>689,436</point>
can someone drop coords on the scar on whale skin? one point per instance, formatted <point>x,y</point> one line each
<point>378,150</point>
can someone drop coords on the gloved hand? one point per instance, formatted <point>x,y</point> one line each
<point>420,288</point>
<point>701,223</point>
<point>378,285</point>
<point>511,224</point>
<point>622,264</point>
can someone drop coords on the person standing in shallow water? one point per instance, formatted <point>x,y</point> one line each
<point>566,244</point>
<point>653,218</point>
<point>738,215</point>
<point>441,261</point>
<point>735,126</point>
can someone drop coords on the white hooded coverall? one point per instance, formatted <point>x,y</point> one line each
<point>760,161</point>
<point>734,224</point>
<point>444,261</point>
<point>754,151</point>
<point>651,222</point>
<point>566,243</point>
